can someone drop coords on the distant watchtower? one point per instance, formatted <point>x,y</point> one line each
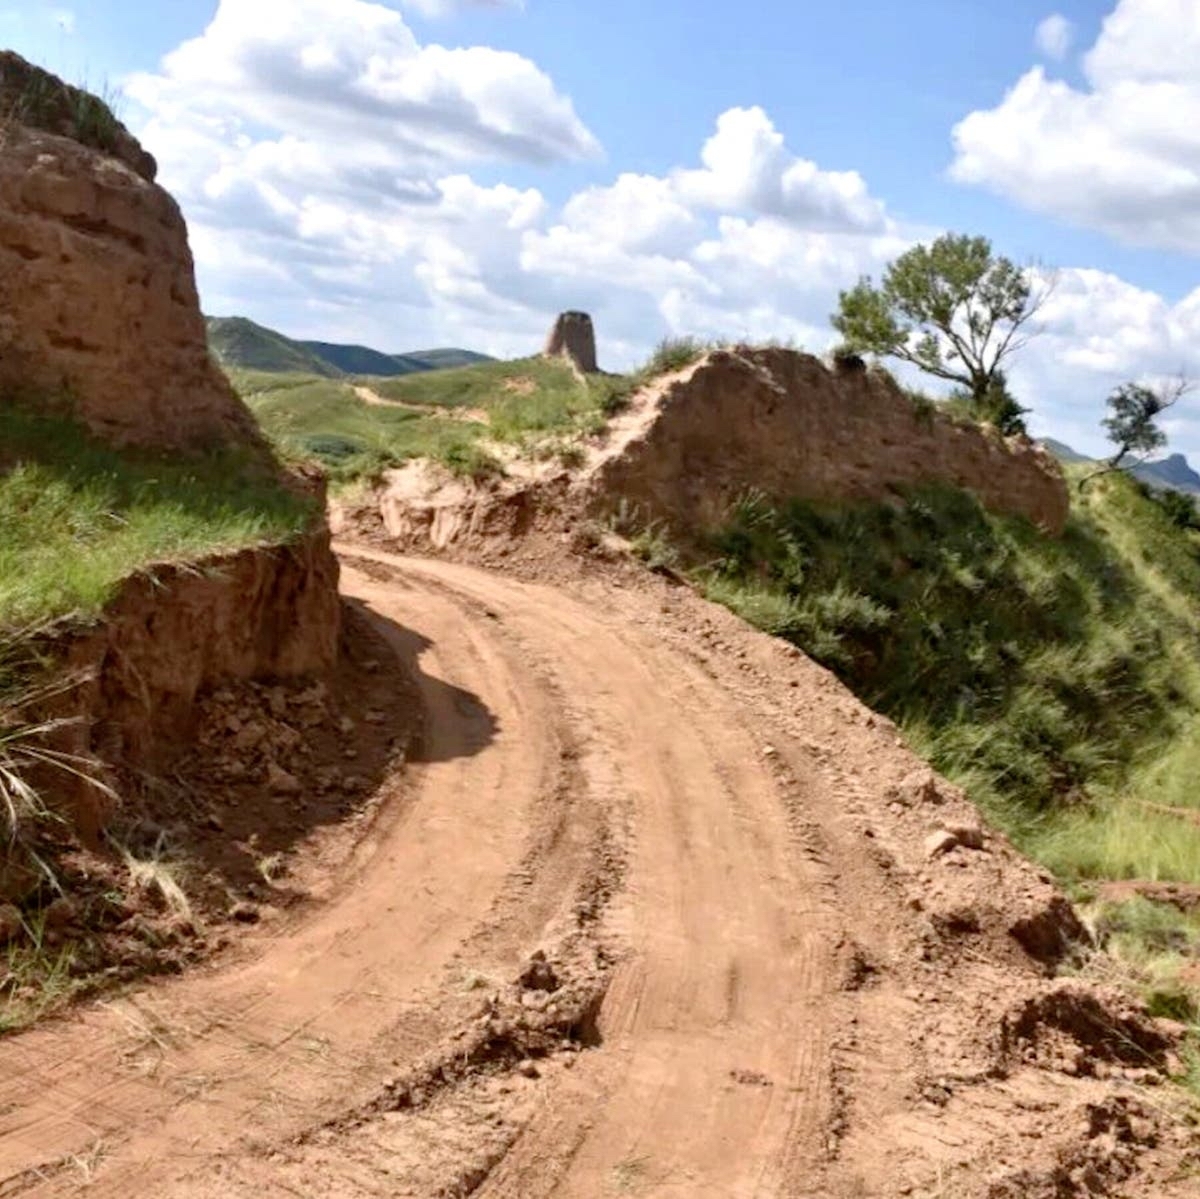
<point>574,337</point>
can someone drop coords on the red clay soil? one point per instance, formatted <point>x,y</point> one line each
<point>658,909</point>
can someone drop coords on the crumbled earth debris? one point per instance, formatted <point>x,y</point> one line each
<point>255,803</point>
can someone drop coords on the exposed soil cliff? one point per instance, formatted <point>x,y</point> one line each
<point>178,631</point>
<point>784,423</point>
<point>97,290</point>
<point>99,315</point>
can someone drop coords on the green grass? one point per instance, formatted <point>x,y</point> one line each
<point>324,420</point>
<point>673,354</point>
<point>41,101</point>
<point>78,516</point>
<point>528,395</point>
<point>1057,679</point>
<point>451,415</point>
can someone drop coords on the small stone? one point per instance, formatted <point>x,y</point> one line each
<point>528,1069</point>
<point>967,835</point>
<point>280,781</point>
<point>769,751</point>
<point>538,974</point>
<point>60,913</point>
<point>214,822</point>
<point>346,724</point>
<point>939,843</point>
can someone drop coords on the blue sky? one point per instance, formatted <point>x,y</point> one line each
<point>839,133</point>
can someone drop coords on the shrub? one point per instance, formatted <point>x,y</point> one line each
<point>673,354</point>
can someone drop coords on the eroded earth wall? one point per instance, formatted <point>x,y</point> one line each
<point>785,424</point>
<point>98,299</point>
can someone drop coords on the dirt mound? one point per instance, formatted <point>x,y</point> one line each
<point>783,423</point>
<point>1084,1030</point>
<point>97,290</point>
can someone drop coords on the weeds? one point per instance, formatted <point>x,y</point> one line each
<point>156,876</point>
<point>1042,674</point>
<point>27,751</point>
<point>37,977</point>
<point>673,354</point>
<point>37,99</point>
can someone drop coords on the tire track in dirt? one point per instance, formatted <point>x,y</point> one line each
<point>712,1029</point>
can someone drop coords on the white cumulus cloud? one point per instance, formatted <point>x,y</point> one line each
<point>444,8</point>
<point>1121,155</point>
<point>1054,37</point>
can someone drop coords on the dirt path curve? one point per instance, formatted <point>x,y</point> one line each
<point>757,982</point>
<point>571,764</point>
<point>373,399</point>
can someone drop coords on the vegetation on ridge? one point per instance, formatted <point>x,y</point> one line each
<point>79,516</point>
<point>954,310</point>
<point>456,416</point>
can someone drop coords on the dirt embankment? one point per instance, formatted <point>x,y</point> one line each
<point>179,631</point>
<point>97,289</point>
<point>99,317</point>
<point>785,424</point>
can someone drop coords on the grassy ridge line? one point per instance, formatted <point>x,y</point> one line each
<point>78,516</point>
<point>534,402</point>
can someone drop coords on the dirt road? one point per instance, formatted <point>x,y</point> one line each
<point>712,845</point>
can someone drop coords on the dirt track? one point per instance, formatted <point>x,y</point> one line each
<point>717,849</point>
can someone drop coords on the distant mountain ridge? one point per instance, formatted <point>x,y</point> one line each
<point>1174,471</point>
<point>240,343</point>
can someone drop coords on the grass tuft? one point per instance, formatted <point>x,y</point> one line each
<point>674,354</point>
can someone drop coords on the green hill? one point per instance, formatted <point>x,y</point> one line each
<point>449,414</point>
<point>241,344</point>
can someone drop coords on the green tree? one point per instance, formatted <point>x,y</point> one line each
<point>954,309</point>
<point>1132,423</point>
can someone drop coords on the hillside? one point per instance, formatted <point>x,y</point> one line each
<point>241,344</point>
<point>540,758</point>
<point>358,429</point>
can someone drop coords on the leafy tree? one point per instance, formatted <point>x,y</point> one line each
<point>954,309</point>
<point>1132,424</point>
